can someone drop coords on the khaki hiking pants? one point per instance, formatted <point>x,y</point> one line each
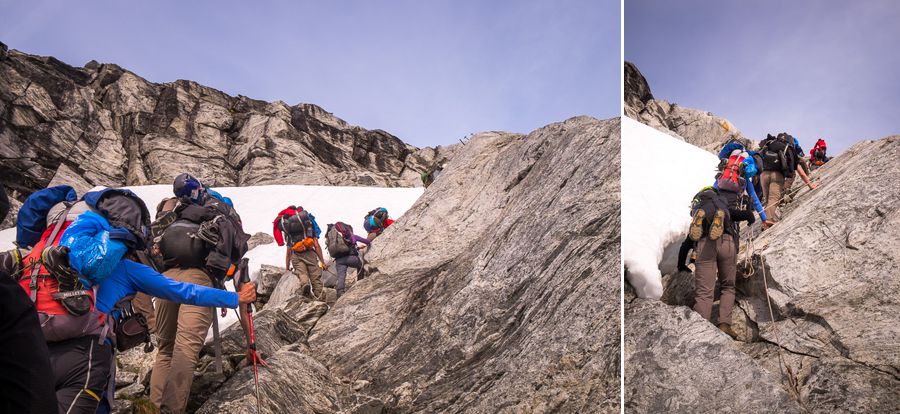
<point>772,183</point>
<point>306,267</point>
<point>181,330</point>
<point>715,259</point>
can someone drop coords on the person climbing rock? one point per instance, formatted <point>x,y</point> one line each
<point>818,155</point>
<point>341,243</point>
<point>299,229</point>
<point>81,274</point>
<point>198,244</point>
<point>802,170</point>
<point>376,221</point>
<point>778,162</point>
<point>26,378</point>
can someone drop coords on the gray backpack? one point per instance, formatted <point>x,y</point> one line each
<point>339,239</point>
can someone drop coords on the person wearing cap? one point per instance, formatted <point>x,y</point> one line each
<point>202,242</point>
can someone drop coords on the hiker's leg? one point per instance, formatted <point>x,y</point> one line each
<point>143,303</point>
<point>81,368</point>
<point>26,378</point>
<point>166,328</point>
<point>193,324</point>
<point>705,277</point>
<point>299,268</point>
<point>776,190</point>
<point>341,271</point>
<point>315,276</point>
<point>765,178</point>
<point>727,261</point>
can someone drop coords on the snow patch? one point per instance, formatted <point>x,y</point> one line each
<point>660,175</point>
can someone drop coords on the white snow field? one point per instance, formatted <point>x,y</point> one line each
<point>258,207</point>
<point>660,176</point>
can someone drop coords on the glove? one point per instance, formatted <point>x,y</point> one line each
<point>209,231</point>
<point>751,217</point>
<point>71,293</point>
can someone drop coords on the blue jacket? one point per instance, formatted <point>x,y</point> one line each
<point>130,277</point>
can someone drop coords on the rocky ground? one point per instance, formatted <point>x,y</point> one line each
<point>498,291</point>
<point>103,125</point>
<point>830,267</point>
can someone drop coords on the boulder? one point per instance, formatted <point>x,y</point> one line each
<point>259,239</point>
<point>517,313</point>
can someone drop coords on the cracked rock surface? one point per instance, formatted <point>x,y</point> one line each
<point>831,270</point>
<point>497,291</point>
<point>103,125</point>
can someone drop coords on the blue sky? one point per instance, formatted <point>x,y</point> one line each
<point>825,68</point>
<point>429,72</point>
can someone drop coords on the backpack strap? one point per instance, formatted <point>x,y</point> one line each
<point>33,284</point>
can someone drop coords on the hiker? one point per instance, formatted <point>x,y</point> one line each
<point>200,239</point>
<point>779,161</point>
<point>818,154</point>
<point>341,243</point>
<point>26,378</point>
<point>301,232</point>
<point>81,275</point>
<point>376,221</point>
<point>714,219</point>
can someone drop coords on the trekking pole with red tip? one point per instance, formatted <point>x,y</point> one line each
<point>254,357</point>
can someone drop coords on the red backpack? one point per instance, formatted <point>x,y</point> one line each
<point>57,323</point>
<point>731,178</point>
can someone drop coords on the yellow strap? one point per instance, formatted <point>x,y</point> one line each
<point>92,394</point>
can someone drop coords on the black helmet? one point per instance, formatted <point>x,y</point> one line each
<point>187,187</point>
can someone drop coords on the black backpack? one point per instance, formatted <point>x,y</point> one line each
<point>297,227</point>
<point>709,200</point>
<point>778,154</point>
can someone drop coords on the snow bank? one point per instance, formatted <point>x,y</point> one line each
<point>660,176</point>
<point>258,206</point>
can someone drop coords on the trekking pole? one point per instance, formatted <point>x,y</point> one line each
<point>251,351</point>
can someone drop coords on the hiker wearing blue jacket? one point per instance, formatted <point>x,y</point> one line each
<point>80,249</point>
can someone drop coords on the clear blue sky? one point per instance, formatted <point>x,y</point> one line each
<point>813,68</point>
<point>429,72</point>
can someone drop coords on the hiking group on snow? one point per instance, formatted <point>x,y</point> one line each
<point>717,210</point>
<point>80,282</point>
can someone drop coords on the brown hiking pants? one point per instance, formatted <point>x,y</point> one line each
<point>715,258</point>
<point>772,183</point>
<point>143,304</point>
<point>181,330</point>
<point>306,267</point>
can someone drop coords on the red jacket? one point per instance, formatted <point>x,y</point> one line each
<point>819,144</point>
<point>276,231</point>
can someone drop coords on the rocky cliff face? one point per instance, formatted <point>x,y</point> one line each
<point>697,127</point>
<point>498,291</point>
<point>104,125</point>
<point>831,270</point>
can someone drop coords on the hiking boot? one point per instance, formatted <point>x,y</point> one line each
<point>718,225</point>
<point>725,327</point>
<point>71,293</point>
<point>696,231</point>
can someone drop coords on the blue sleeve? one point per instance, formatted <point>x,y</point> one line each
<point>315,225</point>
<point>756,204</point>
<point>147,280</point>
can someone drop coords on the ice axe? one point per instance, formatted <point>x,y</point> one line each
<point>252,355</point>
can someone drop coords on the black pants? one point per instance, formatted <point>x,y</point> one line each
<point>26,380</point>
<point>343,263</point>
<point>81,369</point>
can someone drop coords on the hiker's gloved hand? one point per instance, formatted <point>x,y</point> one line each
<point>751,218</point>
<point>247,293</point>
